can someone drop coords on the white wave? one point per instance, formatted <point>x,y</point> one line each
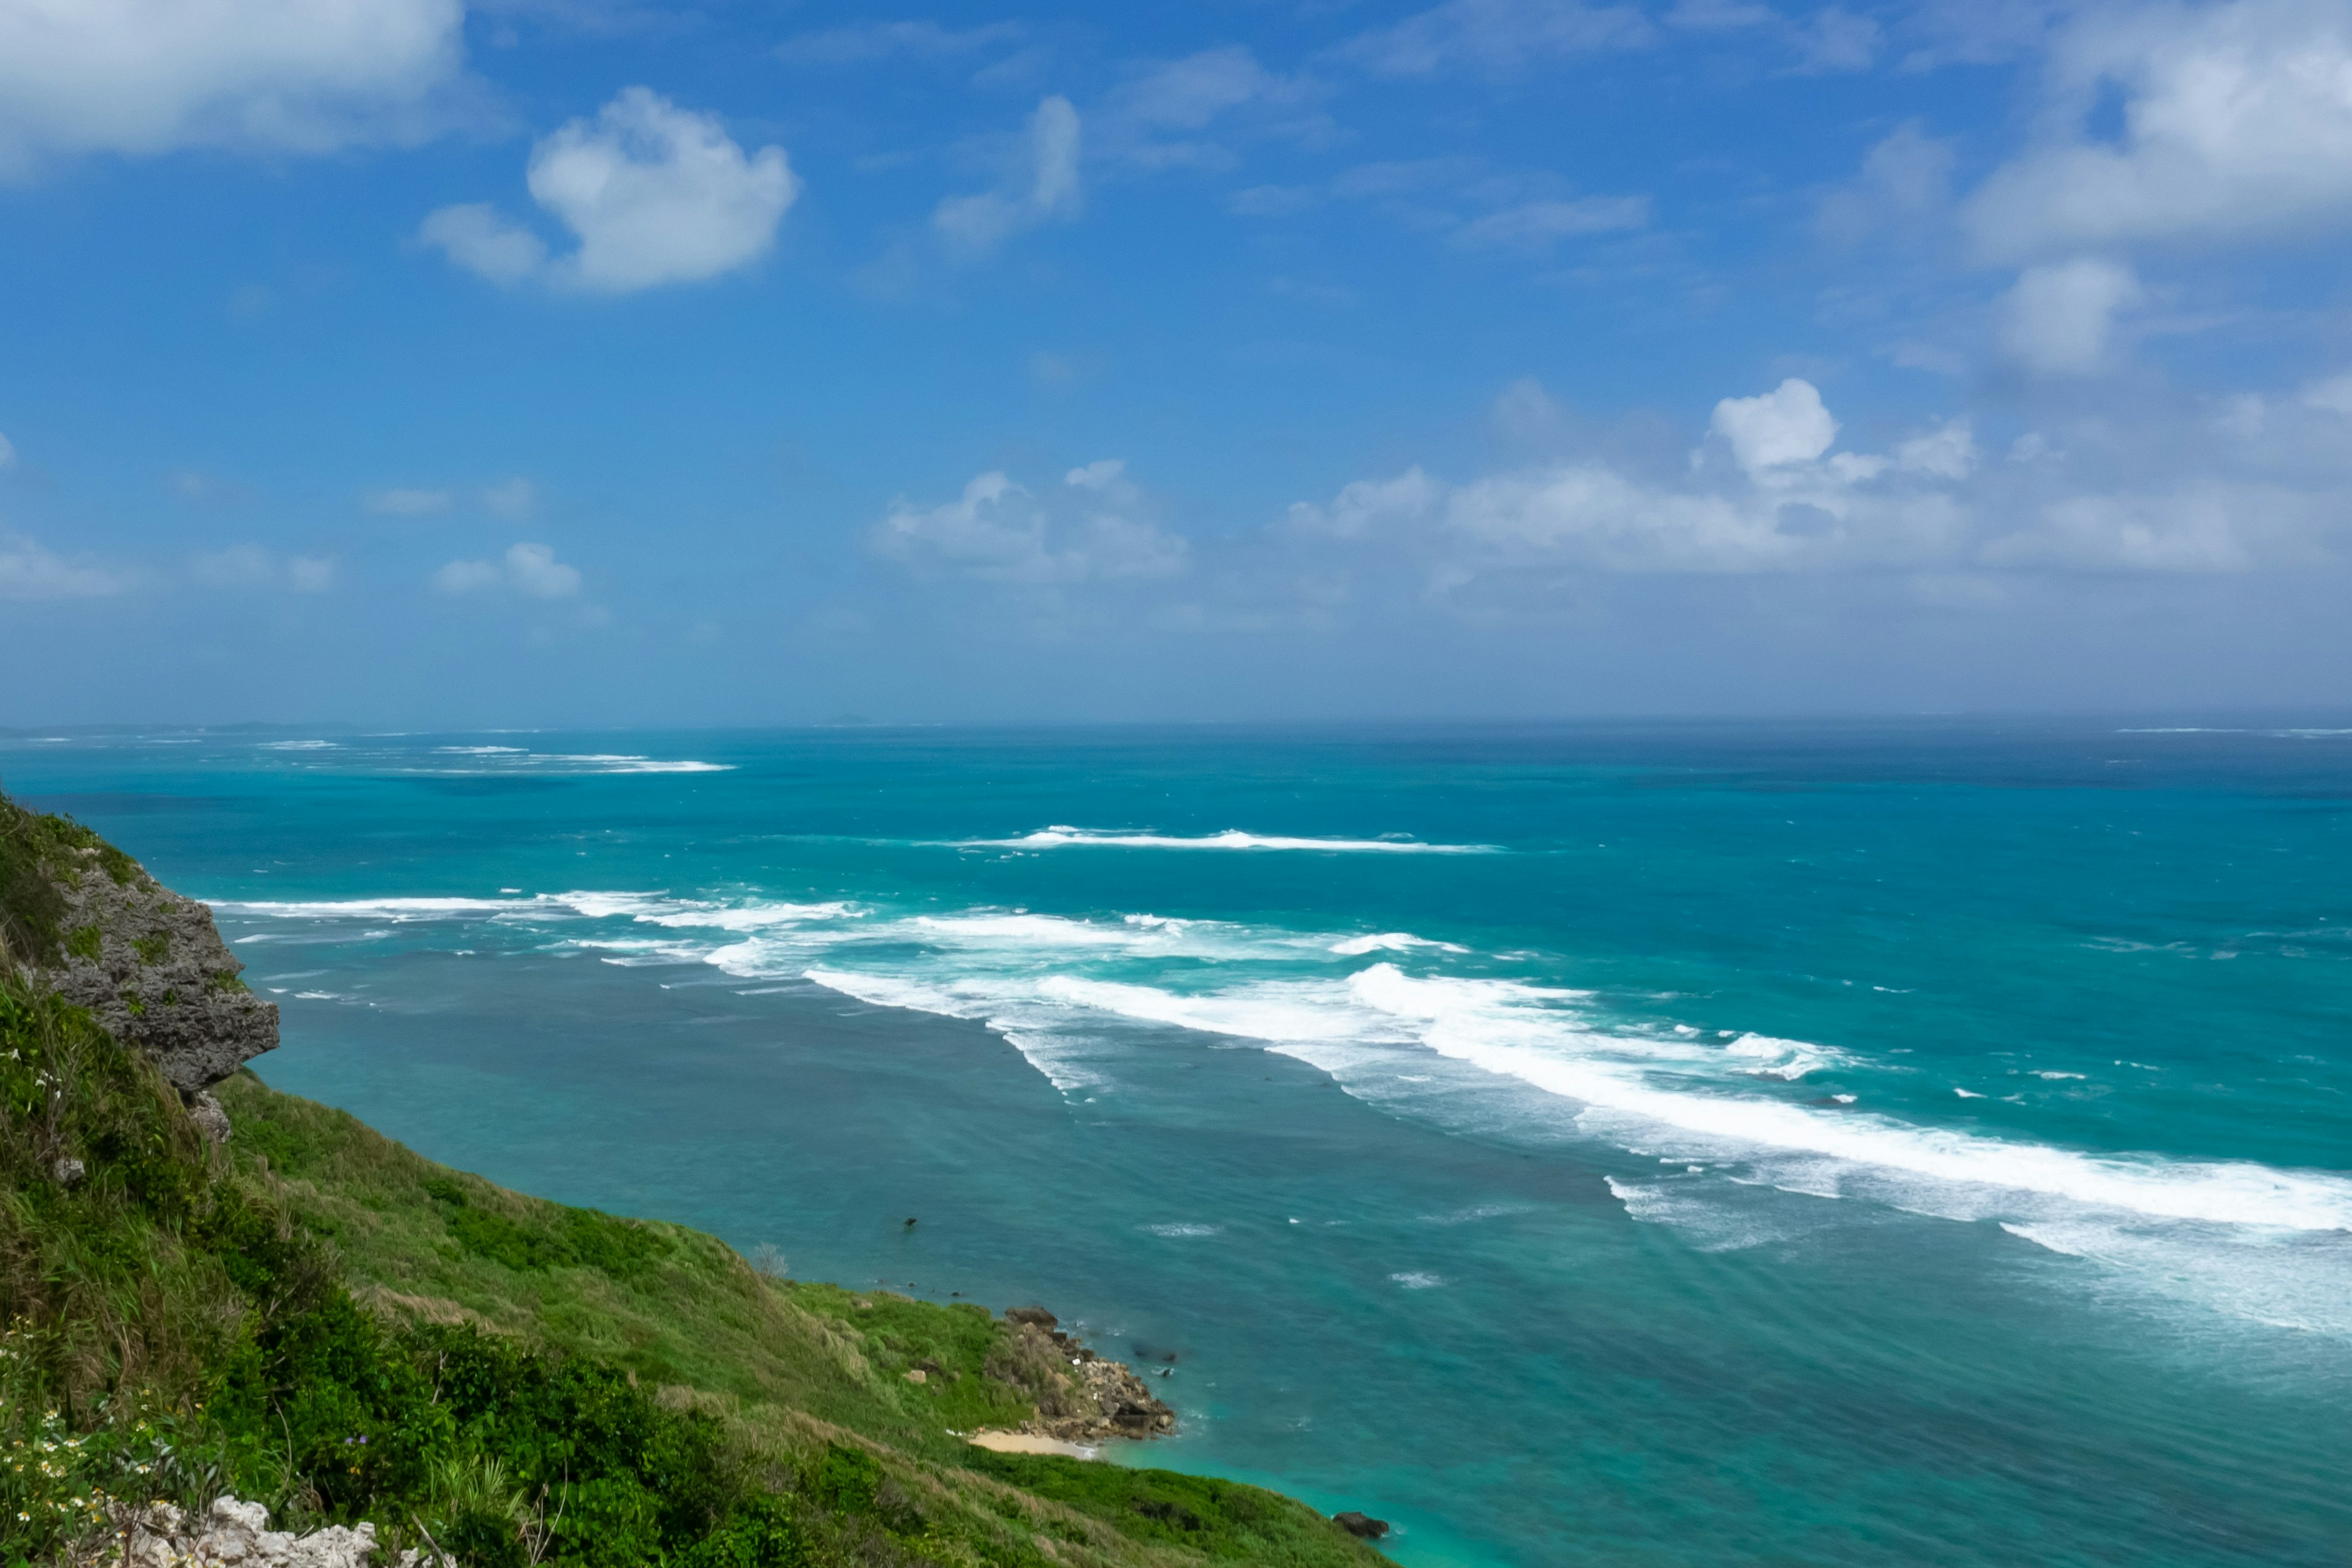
<point>368,909</point>
<point>1185,1230</point>
<point>609,764</point>
<point>1418,1281</point>
<point>660,909</point>
<point>1786,1060</point>
<point>517,758</point>
<point>1064,1062</point>
<point>298,745</point>
<point>1489,1030</point>
<point>1062,838</point>
<point>1390,942</point>
<point>2263,1275</point>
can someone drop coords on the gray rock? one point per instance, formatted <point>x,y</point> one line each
<point>68,1172</point>
<point>209,1115</point>
<point>1363,1526</point>
<point>152,968</point>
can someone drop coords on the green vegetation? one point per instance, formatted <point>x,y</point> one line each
<point>318,1318</point>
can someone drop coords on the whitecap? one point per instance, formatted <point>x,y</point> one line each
<point>1063,838</point>
<point>1390,942</point>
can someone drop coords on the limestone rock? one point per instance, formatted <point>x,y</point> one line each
<point>152,968</point>
<point>1081,1397</point>
<point>232,1534</point>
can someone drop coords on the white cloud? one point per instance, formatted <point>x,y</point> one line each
<point>1839,40</point>
<point>1538,223</point>
<point>2237,123</point>
<point>998,531</point>
<point>510,499</point>
<point>868,41</point>
<point>1157,118</point>
<point>147,76</point>
<point>480,240</point>
<point>1048,187</point>
<point>7,453</point>
<point>2332,394</point>
<point>29,571</point>
<point>406,502</point>
<point>654,194</point>
<point>531,570</point>
<point>1365,505</point>
<point>1794,504</point>
<point>251,566</point>
<point>1105,474</point>
<point>2060,319</point>
<point>1905,179</point>
<point>1495,37</point>
<point>310,573</point>
<point>1777,429</point>
<point>1479,207</point>
<point>1947,452</point>
<point>2196,530</point>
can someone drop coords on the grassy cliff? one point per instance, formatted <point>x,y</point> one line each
<point>319,1318</point>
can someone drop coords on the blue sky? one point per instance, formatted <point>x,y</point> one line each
<point>578,361</point>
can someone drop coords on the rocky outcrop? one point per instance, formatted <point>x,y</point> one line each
<point>231,1534</point>
<point>146,962</point>
<point>1081,1397</point>
<point>1363,1526</point>
<point>150,967</point>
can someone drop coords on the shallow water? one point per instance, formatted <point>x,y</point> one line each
<point>1918,1143</point>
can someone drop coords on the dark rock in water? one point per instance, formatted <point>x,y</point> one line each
<point>1038,1315</point>
<point>1363,1526</point>
<point>150,968</point>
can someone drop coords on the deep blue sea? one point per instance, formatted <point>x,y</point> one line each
<point>1918,1143</point>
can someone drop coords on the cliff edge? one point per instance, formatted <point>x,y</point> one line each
<point>147,963</point>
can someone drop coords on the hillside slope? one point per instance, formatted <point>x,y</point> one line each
<point>316,1316</point>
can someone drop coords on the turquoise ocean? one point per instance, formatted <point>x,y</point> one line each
<point>1905,1143</point>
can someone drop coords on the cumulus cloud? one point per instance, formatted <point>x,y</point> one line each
<point>30,571</point>
<point>531,570</point>
<point>1776,430</point>
<point>2060,319</point>
<point>1790,501</point>
<point>477,239</point>
<point>1495,37</point>
<point>147,76</point>
<point>2237,124</point>
<point>1045,187</point>
<point>652,193</point>
<point>998,531</point>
